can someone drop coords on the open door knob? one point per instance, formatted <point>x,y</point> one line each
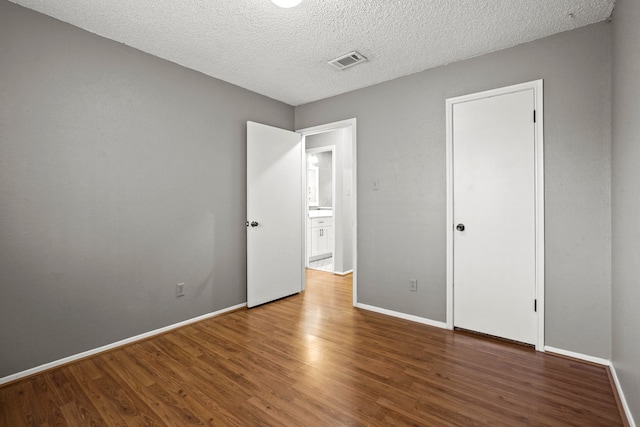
<point>460,227</point>
<point>254,223</point>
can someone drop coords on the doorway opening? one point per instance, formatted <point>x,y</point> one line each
<point>323,186</point>
<point>329,212</point>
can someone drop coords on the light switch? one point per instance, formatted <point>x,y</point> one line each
<point>375,184</point>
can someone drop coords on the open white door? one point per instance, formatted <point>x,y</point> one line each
<point>274,213</point>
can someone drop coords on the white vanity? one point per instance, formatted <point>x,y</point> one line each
<point>320,234</point>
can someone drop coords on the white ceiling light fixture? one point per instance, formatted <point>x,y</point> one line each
<point>286,3</point>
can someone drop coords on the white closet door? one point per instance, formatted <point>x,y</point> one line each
<point>494,244</point>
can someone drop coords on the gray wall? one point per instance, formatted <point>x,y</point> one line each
<point>325,179</point>
<point>120,175</point>
<point>401,142</point>
<point>626,199</point>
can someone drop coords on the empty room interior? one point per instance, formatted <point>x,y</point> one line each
<point>474,213</point>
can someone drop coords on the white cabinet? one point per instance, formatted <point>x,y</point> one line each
<point>320,236</point>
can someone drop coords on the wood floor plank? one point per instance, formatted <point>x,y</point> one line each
<point>82,410</point>
<point>15,407</point>
<point>48,400</point>
<point>314,360</point>
<point>105,406</point>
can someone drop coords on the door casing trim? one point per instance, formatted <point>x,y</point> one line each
<point>537,86</point>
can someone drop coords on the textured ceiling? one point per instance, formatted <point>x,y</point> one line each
<point>282,53</point>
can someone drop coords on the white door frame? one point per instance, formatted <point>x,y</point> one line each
<point>537,87</point>
<point>326,149</point>
<point>354,194</point>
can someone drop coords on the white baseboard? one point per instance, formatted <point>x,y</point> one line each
<point>579,356</point>
<point>111,346</point>
<point>623,400</point>
<point>404,316</point>
<point>343,273</point>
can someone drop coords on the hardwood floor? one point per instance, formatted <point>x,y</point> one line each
<point>314,360</point>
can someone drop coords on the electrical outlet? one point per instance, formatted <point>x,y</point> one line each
<point>180,290</point>
<point>413,285</point>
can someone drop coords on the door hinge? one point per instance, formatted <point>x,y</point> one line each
<point>535,305</point>
<point>534,116</point>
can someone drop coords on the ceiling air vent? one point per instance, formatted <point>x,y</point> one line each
<point>348,60</point>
